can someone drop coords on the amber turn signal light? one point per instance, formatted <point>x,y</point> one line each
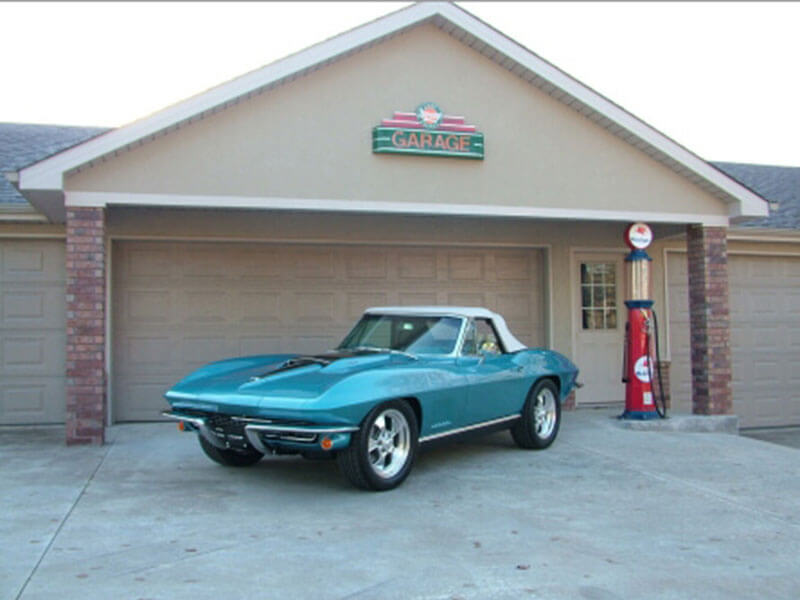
<point>181,426</point>
<point>326,443</point>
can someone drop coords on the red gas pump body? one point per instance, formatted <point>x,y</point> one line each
<point>638,368</point>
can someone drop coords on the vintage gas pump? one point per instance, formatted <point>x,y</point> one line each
<point>638,362</point>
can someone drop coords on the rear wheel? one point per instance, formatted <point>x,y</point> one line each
<point>541,417</point>
<point>382,452</point>
<point>228,457</point>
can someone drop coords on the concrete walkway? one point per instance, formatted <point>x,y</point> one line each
<point>604,513</point>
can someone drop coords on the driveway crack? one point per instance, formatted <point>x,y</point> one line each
<point>64,521</point>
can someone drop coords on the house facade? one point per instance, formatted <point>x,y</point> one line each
<point>423,158</point>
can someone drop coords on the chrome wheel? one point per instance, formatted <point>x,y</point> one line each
<point>544,413</point>
<point>389,443</point>
<point>540,418</point>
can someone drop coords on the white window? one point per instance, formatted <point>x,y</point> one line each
<point>599,295</point>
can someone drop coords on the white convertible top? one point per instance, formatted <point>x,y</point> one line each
<point>510,343</point>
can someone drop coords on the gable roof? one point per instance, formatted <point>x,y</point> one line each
<point>22,144</point>
<point>776,184</point>
<point>42,182</point>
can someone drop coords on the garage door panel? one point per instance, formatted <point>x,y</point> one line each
<point>358,301</point>
<point>312,263</point>
<point>419,299</point>
<point>148,352</point>
<point>229,299</point>
<point>33,354</point>
<point>416,265</point>
<point>145,398</point>
<point>32,305</point>
<point>263,344</point>
<point>765,338</point>
<point>32,331</point>
<point>205,306</point>
<point>259,307</point>
<point>793,303</point>
<point>466,267</point>
<point>366,266</point>
<point>466,299</point>
<point>150,262</point>
<point>31,261</point>
<point>316,307</point>
<point>24,402</point>
<point>513,267</point>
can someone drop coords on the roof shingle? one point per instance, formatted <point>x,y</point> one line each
<point>776,184</point>
<point>22,144</point>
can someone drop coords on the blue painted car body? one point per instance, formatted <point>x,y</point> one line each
<point>289,403</point>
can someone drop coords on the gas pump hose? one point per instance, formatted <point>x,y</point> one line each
<point>662,411</point>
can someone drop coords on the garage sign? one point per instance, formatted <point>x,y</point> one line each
<point>427,131</point>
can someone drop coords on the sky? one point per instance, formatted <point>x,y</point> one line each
<point>720,78</point>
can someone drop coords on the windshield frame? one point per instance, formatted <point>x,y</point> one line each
<point>459,337</point>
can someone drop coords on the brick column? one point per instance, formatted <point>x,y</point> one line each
<point>86,322</point>
<point>709,315</point>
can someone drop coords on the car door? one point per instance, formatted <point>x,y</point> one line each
<point>496,379</point>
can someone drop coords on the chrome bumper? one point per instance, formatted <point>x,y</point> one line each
<point>255,428</point>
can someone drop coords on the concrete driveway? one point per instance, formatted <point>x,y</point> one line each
<point>604,513</point>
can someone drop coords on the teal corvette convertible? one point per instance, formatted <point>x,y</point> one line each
<point>402,376</point>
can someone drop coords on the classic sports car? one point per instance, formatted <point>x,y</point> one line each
<point>402,376</point>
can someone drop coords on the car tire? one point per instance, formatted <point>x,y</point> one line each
<point>230,458</point>
<point>541,417</point>
<point>382,451</point>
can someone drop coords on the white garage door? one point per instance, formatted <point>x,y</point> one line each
<point>32,331</point>
<point>179,305</point>
<point>765,337</point>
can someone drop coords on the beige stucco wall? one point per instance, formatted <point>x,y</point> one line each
<point>311,138</point>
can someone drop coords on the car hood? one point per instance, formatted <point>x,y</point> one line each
<point>277,376</point>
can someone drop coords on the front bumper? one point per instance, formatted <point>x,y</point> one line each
<point>231,432</point>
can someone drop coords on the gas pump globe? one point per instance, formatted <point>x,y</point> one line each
<point>638,364</point>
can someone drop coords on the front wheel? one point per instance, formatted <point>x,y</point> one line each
<point>541,417</point>
<point>230,458</point>
<point>382,452</point>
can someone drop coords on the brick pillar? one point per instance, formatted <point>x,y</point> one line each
<point>86,322</point>
<point>709,315</point>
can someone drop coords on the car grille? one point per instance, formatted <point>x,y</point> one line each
<point>231,431</point>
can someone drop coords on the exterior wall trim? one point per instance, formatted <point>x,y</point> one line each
<point>761,237</point>
<point>33,236</point>
<point>102,199</point>
<point>109,355</point>
<point>22,217</point>
<point>326,241</point>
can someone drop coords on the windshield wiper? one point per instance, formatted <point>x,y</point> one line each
<point>379,349</point>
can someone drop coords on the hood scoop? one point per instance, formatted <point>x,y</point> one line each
<point>301,361</point>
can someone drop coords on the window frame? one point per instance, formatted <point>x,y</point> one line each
<point>605,308</point>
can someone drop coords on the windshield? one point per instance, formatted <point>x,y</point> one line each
<point>419,335</point>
